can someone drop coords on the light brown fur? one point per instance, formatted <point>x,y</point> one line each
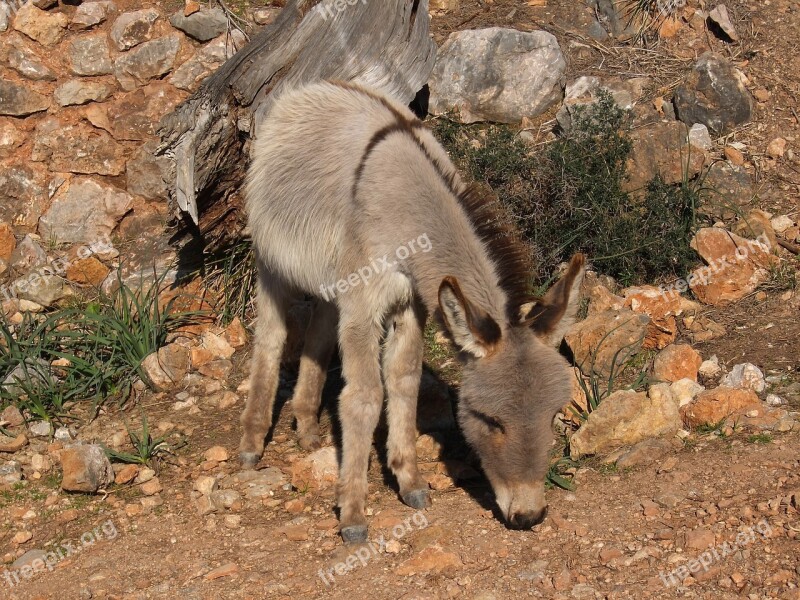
<point>342,176</point>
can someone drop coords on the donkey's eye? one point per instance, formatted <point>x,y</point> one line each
<point>493,423</point>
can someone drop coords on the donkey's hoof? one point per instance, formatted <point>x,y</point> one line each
<point>249,459</point>
<point>354,534</point>
<point>418,499</point>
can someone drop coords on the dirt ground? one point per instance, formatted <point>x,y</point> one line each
<point>620,534</point>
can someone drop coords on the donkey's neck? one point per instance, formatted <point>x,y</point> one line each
<point>455,251</point>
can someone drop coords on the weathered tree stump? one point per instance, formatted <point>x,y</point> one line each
<point>382,43</point>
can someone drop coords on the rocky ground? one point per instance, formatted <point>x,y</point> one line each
<point>688,487</point>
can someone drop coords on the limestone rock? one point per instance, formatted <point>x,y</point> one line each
<point>77,148</point>
<point>607,339</point>
<point>167,367</point>
<point>147,61</point>
<point>46,28</point>
<point>86,468</point>
<point>714,96</point>
<point>745,376</point>
<point>675,362</point>
<point>497,74</point>
<point>84,213</point>
<point>662,308</point>
<point>90,55</point>
<point>626,417</point>
<point>661,149</point>
<point>20,101</point>
<point>712,406</point>
<point>203,25</point>
<point>89,14</point>
<point>8,242</point>
<point>317,471</point>
<point>20,58</point>
<point>78,91</point>
<point>736,266</point>
<point>133,28</point>
<point>685,390</point>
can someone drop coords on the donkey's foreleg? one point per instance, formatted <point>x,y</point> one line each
<point>319,343</point>
<point>402,370</point>
<point>270,337</point>
<point>359,410</point>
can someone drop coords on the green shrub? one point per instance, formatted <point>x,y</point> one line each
<point>569,196</point>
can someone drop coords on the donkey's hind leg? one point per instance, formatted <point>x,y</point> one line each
<point>402,369</point>
<point>272,305</point>
<point>319,343</point>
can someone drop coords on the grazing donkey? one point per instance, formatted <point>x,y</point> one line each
<point>342,179</point>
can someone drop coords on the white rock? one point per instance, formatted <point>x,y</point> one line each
<point>699,137</point>
<point>782,223</point>
<point>773,400</point>
<point>710,368</point>
<point>684,390</point>
<point>746,376</point>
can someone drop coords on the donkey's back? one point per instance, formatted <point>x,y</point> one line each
<point>300,196</point>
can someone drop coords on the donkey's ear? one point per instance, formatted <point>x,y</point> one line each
<point>555,313</point>
<point>472,329</point>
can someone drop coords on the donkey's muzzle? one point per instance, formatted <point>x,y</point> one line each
<point>527,520</point>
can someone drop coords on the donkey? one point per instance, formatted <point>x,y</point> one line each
<point>342,178</point>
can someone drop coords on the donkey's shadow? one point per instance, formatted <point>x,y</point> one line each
<point>437,420</point>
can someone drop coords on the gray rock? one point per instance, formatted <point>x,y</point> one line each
<point>714,96</point>
<point>86,468</point>
<point>727,188</point>
<point>85,213</point>
<point>89,55</point>
<point>745,376</point>
<point>78,91</point>
<point>23,193</point>
<point>90,14</point>
<point>203,25</point>
<point>147,61</point>
<point>29,557</point>
<point>40,428</point>
<point>27,255</point>
<point>10,473</point>
<point>133,28</point>
<point>77,148</point>
<point>19,101</point>
<point>720,17</point>
<point>147,174</point>
<point>43,289</point>
<point>225,498</point>
<point>699,137</point>
<point>206,60</point>
<point>497,74</point>
<point>28,64</point>
<point>25,374</point>
<point>5,14</point>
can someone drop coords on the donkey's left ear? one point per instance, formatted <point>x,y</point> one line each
<point>555,313</point>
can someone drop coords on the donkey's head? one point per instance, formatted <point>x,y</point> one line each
<point>514,382</point>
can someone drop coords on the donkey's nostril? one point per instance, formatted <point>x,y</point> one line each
<point>527,520</point>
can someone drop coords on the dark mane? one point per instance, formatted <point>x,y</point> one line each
<point>506,250</point>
